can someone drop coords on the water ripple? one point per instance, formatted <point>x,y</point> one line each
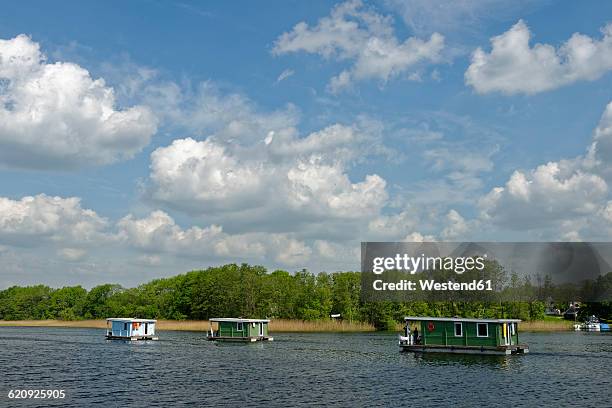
<point>351,370</point>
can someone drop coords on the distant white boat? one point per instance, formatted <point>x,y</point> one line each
<point>592,324</point>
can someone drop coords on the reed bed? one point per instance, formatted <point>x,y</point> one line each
<point>319,326</point>
<point>95,324</point>
<point>183,325</point>
<point>546,325</point>
<point>278,326</point>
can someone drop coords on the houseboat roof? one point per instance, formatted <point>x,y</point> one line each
<point>239,320</point>
<point>460,319</point>
<point>133,320</point>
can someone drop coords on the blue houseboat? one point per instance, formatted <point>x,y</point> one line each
<point>130,329</point>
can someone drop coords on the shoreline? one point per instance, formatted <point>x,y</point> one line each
<point>277,326</point>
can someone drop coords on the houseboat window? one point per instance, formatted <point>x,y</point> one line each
<point>458,329</point>
<point>483,330</point>
<point>513,328</point>
<point>239,326</point>
<point>124,326</point>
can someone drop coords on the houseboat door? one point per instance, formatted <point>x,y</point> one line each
<point>261,331</point>
<point>506,334</point>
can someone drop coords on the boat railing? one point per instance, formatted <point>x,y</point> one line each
<point>409,340</point>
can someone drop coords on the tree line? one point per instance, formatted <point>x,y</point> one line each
<point>250,291</point>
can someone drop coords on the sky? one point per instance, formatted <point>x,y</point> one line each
<point>144,139</point>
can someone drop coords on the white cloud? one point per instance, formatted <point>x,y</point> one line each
<point>513,66</point>
<point>282,177</point>
<point>325,190</point>
<point>606,212</point>
<point>284,75</point>
<point>205,110</point>
<point>33,220</point>
<point>553,191</point>
<point>335,142</point>
<point>55,116</point>
<point>427,16</point>
<point>158,232</point>
<point>393,227</point>
<point>461,166</point>
<point>566,199</point>
<point>456,228</point>
<point>205,177</point>
<point>599,154</point>
<point>357,33</point>
<point>290,251</point>
<point>337,255</point>
<point>149,260</point>
<point>418,237</point>
<point>72,254</point>
<point>252,171</point>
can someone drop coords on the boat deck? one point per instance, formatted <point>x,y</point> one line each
<point>499,350</point>
<point>131,338</point>
<point>239,339</point>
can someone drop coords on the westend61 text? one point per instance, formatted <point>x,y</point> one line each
<point>432,285</point>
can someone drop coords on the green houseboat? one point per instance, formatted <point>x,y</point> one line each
<point>461,335</point>
<point>239,330</point>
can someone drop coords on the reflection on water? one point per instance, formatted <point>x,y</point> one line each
<point>314,369</point>
<point>500,362</point>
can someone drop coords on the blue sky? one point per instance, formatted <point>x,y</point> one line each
<point>144,139</point>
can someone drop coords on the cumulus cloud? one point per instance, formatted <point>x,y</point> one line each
<point>206,177</point>
<point>158,232</point>
<point>33,220</point>
<point>566,195</point>
<point>281,180</point>
<point>393,227</point>
<point>514,66</point>
<point>457,226</point>
<point>552,191</point>
<point>338,141</point>
<point>357,33</point>
<point>56,116</point>
<point>253,171</point>
<point>73,233</point>
<point>599,154</point>
<point>323,189</point>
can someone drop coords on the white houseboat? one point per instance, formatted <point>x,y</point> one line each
<point>130,329</point>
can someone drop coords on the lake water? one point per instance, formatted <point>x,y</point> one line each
<point>353,370</point>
